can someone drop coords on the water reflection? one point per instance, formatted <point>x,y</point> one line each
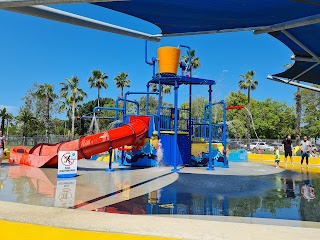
<point>307,189</point>
<point>291,196</point>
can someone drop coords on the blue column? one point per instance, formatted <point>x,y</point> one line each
<point>175,139</point>
<point>224,134</point>
<point>210,167</point>
<point>190,120</point>
<point>110,169</point>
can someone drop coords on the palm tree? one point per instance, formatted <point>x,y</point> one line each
<point>122,81</point>
<point>195,62</point>
<point>26,118</point>
<point>97,80</point>
<point>165,89</point>
<point>45,92</point>
<point>297,98</point>
<point>3,115</point>
<point>72,95</point>
<point>248,83</point>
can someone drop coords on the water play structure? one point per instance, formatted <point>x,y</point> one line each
<point>185,140</point>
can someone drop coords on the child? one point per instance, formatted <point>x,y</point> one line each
<point>277,160</point>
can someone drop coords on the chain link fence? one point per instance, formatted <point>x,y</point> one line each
<point>34,140</point>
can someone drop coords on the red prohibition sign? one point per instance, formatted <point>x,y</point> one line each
<point>66,161</point>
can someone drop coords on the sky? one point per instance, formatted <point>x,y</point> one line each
<point>43,51</point>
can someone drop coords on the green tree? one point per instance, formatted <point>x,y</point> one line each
<point>27,119</point>
<point>72,94</point>
<point>165,89</point>
<point>198,104</point>
<point>97,80</point>
<point>153,105</point>
<point>248,83</point>
<point>3,115</point>
<point>46,92</point>
<point>236,118</point>
<point>311,112</point>
<point>273,119</point>
<point>195,61</point>
<point>122,81</point>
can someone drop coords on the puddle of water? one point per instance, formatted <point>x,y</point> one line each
<point>287,195</point>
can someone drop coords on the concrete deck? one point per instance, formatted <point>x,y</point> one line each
<point>180,228</point>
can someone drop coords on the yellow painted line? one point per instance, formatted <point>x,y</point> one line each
<point>24,231</point>
<point>296,166</point>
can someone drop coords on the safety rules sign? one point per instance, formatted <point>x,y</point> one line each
<point>67,164</point>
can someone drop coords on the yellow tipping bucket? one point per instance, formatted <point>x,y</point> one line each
<point>168,58</point>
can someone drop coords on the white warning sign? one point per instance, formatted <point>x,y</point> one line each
<point>67,164</point>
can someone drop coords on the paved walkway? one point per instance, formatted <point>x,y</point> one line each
<point>140,225</point>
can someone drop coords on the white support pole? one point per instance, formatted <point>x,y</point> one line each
<point>305,71</point>
<point>290,24</point>
<point>303,59</point>
<point>70,18</point>
<point>300,44</point>
<point>280,80</point>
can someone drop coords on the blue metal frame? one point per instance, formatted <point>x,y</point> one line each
<point>125,100</point>
<point>132,101</point>
<point>224,133</point>
<point>153,59</point>
<point>210,166</point>
<point>176,91</point>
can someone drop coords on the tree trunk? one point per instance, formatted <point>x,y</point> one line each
<point>98,96</point>
<point>248,120</point>
<point>122,92</point>
<point>47,117</point>
<point>298,114</point>
<point>2,124</point>
<point>72,123</point>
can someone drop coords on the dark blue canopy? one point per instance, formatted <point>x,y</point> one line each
<point>190,16</point>
<point>309,36</point>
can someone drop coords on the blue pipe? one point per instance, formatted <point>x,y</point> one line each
<point>132,101</point>
<point>224,134</point>
<point>175,145</point>
<point>130,93</point>
<point>159,108</point>
<point>189,53</point>
<point>153,60</point>
<point>106,108</point>
<point>147,100</point>
<point>210,167</point>
<point>151,63</point>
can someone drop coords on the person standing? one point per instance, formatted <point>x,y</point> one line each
<point>305,147</point>
<point>287,148</point>
<point>2,145</point>
<point>277,160</point>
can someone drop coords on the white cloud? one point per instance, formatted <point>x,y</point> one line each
<point>10,109</point>
<point>225,70</point>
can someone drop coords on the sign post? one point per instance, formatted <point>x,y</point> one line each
<point>67,164</point>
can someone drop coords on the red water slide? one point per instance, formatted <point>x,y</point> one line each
<point>46,155</point>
